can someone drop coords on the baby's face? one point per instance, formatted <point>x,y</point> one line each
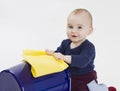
<point>78,27</point>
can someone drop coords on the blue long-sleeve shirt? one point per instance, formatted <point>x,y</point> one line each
<point>82,61</point>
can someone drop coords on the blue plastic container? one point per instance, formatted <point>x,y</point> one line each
<point>19,78</point>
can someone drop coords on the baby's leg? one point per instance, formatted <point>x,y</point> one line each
<point>75,86</point>
<point>82,88</point>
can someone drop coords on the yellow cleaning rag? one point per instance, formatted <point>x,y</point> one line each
<point>43,64</point>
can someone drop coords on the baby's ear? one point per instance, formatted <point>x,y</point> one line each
<point>90,30</point>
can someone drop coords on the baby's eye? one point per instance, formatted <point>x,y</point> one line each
<point>70,26</point>
<point>79,27</point>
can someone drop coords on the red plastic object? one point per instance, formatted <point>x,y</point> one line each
<point>111,88</point>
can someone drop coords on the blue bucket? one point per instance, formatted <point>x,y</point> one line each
<point>19,78</point>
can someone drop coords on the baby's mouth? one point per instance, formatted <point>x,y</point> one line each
<point>74,36</point>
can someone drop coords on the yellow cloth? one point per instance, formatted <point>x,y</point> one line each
<point>43,64</point>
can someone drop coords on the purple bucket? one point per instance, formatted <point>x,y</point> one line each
<point>19,78</point>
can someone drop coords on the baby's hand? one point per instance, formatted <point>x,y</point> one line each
<point>49,52</point>
<point>66,58</point>
<point>59,56</point>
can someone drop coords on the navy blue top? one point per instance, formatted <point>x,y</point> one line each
<point>82,57</point>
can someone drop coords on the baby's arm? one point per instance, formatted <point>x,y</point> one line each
<point>58,55</point>
<point>66,58</point>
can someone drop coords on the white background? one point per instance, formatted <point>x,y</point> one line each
<point>41,24</point>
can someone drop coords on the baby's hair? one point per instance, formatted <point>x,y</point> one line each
<point>80,10</point>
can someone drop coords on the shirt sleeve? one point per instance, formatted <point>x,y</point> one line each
<point>85,58</point>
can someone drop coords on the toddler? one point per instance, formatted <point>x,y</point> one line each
<point>78,51</point>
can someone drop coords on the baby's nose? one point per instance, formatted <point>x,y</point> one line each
<point>74,30</point>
